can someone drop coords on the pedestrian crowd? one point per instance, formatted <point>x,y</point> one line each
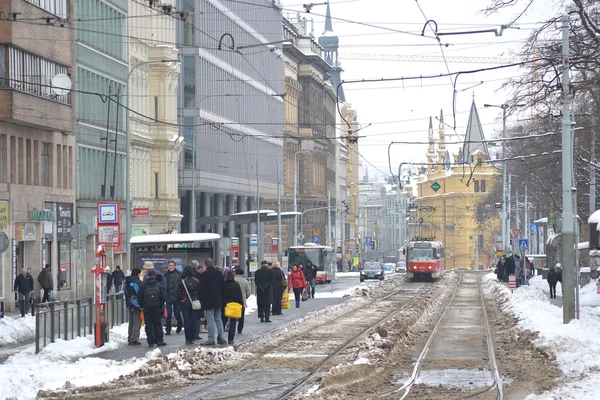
<point>523,271</point>
<point>210,296</point>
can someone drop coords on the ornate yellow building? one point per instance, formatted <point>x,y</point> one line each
<point>449,193</point>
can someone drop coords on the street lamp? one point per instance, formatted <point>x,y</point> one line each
<point>192,226</point>
<point>128,158</point>
<point>295,196</point>
<point>505,221</point>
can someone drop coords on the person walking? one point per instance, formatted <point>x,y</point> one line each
<point>509,267</point>
<point>246,292</point>
<point>201,325</point>
<point>118,277</point>
<point>552,280</point>
<point>279,285</point>
<point>188,290</point>
<point>232,293</point>
<point>133,284</point>
<point>307,270</point>
<point>264,288</point>
<point>45,281</point>
<point>152,298</point>
<point>297,283</point>
<point>24,286</point>
<point>518,271</point>
<point>173,278</point>
<point>500,270</point>
<point>211,297</point>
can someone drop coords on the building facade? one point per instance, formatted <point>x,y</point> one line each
<point>37,145</point>
<point>155,140</point>
<point>231,107</point>
<point>101,71</point>
<point>449,193</point>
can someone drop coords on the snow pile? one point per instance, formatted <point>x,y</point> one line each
<point>354,274</point>
<point>13,330</point>
<point>375,289</point>
<point>61,364</point>
<point>373,347</point>
<point>575,345</point>
<point>251,305</point>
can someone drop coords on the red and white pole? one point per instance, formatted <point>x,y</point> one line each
<point>97,270</point>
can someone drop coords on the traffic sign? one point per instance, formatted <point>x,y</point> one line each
<point>533,227</point>
<point>368,240</point>
<point>79,233</point>
<point>316,232</point>
<point>435,186</point>
<point>523,244</point>
<point>315,239</point>
<point>253,240</point>
<point>516,232</point>
<point>300,236</point>
<point>3,242</point>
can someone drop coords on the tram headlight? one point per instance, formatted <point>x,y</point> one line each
<point>429,267</point>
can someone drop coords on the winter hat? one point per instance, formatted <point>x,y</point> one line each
<point>148,265</point>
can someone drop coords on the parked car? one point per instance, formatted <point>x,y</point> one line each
<point>401,266</point>
<point>372,270</point>
<point>389,268</point>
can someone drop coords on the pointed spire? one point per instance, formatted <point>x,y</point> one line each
<point>474,138</point>
<point>328,24</point>
<point>430,125</point>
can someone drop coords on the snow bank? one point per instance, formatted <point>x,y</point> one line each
<point>347,274</point>
<point>25,373</point>
<point>575,345</point>
<point>14,330</point>
<point>251,305</point>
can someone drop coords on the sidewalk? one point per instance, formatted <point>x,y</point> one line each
<point>253,328</point>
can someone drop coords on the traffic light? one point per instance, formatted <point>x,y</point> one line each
<point>345,206</point>
<point>373,245</point>
<point>357,247</point>
<point>378,245</point>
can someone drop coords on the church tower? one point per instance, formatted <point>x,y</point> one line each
<point>442,142</point>
<point>431,147</point>
<point>330,43</point>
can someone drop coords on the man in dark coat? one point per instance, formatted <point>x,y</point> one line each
<point>500,270</point>
<point>152,299</point>
<point>509,267</point>
<point>264,288</point>
<point>45,281</point>
<point>24,286</point>
<point>133,285</point>
<point>211,298</point>
<point>310,274</point>
<point>172,278</point>
<point>118,277</point>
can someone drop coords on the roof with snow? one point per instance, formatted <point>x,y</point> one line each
<point>474,138</point>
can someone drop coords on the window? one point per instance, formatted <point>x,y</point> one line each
<point>64,262</point>
<point>56,7</point>
<point>58,166</point>
<point>482,186</point>
<point>46,164</point>
<point>28,169</point>
<point>480,243</point>
<point>188,134</point>
<point>189,81</point>
<point>476,186</point>
<point>479,161</point>
<point>13,159</point>
<point>188,25</point>
<point>156,185</point>
<point>33,74</point>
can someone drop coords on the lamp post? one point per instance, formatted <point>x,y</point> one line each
<point>128,158</point>
<point>504,219</point>
<point>295,196</point>
<point>192,226</point>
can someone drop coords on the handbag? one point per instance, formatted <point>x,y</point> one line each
<point>283,281</point>
<point>233,310</point>
<point>304,295</point>
<point>195,303</point>
<point>164,313</point>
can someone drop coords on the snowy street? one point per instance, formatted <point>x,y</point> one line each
<point>337,346</point>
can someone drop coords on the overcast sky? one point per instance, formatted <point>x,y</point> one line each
<point>400,111</point>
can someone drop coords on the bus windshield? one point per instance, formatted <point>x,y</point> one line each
<point>301,256</point>
<point>421,254</point>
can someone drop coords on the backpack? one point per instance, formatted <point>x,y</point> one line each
<point>152,297</point>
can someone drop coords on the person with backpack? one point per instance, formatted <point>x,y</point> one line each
<point>152,298</point>
<point>133,284</point>
<point>187,291</point>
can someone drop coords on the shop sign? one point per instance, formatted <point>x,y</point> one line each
<point>4,216</point>
<point>64,221</point>
<point>25,232</point>
<point>42,215</point>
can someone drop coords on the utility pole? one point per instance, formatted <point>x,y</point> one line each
<point>329,219</point>
<point>568,229</point>
<point>261,249</point>
<point>593,168</point>
<point>508,212</point>
<point>343,215</point>
<point>279,236</point>
<point>526,218</point>
<point>505,222</point>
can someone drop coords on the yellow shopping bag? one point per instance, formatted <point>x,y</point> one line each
<point>233,310</point>
<point>285,301</point>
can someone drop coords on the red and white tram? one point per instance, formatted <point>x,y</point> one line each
<point>425,258</point>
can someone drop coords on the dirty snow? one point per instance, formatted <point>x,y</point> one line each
<point>15,330</point>
<point>575,345</point>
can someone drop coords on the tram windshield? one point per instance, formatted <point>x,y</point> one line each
<point>421,254</point>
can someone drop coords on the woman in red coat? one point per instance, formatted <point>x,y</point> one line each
<point>297,282</point>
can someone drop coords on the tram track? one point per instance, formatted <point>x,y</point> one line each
<point>313,337</point>
<point>404,391</point>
